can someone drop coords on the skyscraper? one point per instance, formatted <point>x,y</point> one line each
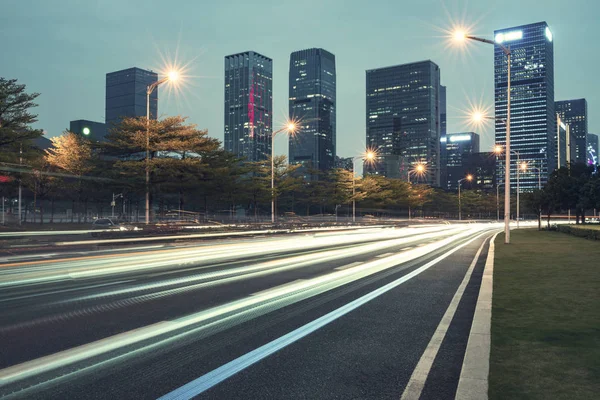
<point>443,132</point>
<point>563,143</point>
<point>249,105</point>
<point>574,113</point>
<point>95,131</point>
<point>592,140</point>
<point>403,119</point>
<point>126,94</point>
<point>533,119</point>
<point>312,100</point>
<point>457,146</point>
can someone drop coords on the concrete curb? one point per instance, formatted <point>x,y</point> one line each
<point>473,381</point>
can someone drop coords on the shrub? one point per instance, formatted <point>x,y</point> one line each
<point>592,234</point>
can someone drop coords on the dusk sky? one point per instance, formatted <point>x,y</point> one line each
<point>64,48</point>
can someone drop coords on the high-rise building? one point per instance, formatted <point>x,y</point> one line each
<point>95,131</point>
<point>574,113</point>
<point>443,132</point>
<point>533,119</point>
<point>562,140</point>
<point>403,119</point>
<point>249,105</point>
<point>346,163</point>
<point>592,140</point>
<point>457,146</point>
<point>126,94</point>
<point>482,166</point>
<point>312,100</point>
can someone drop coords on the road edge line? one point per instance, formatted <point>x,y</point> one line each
<point>473,382</point>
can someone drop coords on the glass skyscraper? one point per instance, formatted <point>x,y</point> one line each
<point>574,113</point>
<point>592,149</point>
<point>443,132</point>
<point>456,147</point>
<point>312,101</point>
<point>533,119</point>
<point>249,105</point>
<point>403,119</point>
<point>126,94</point>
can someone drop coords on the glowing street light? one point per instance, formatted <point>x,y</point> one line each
<point>172,76</point>
<point>368,156</point>
<point>461,36</point>
<point>420,170</point>
<point>290,127</point>
<point>467,178</point>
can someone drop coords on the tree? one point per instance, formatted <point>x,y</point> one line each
<point>15,118</point>
<point>72,154</point>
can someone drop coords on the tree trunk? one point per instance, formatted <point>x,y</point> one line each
<point>73,211</point>
<point>41,213</point>
<point>52,210</point>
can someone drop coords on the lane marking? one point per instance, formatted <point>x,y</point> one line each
<point>276,288</point>
<point>384,255</point>
<point>207,381</point>
<point>407,248</point>
<point>347,266</point>
<point>417,380</point>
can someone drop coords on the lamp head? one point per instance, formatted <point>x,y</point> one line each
<point>173,75</point>
<point>498,149</point>
<point>459,35</point>
<point>420,168</point>
<point>469,177</point>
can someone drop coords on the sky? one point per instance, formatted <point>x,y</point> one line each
<point>64,48</point>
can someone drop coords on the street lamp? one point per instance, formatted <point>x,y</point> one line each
<point>368,156</point>
<point>462,36</point>
<point>498,150</point>
<point>524,166</point>
<point>290,127</point>
<point>419,169</point>
<point>172,76</point>
<point>468,178</point>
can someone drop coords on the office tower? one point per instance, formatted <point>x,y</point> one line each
<point>482,166</point>
<point>249,105</point>
<point>592,140</point>
<point>443,131</point>
<point>457,146</point>
<point>574,113</point>
<point>403,119</point>
<point>312,100</point>
<point>563,142</point>
<point>533,119</point>
<point>126,95</point>
<point>95,131</point>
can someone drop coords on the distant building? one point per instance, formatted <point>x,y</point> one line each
<point>533,119</point>
<point>457,146</point>
<point>42,143</point>
<point>482,166</point>
<point>592,149</point>
<point>403,119</point>
<point>443,132</point>
<point>344,163</point>
<point>574,113</point>
<point>126,95</point>
<point>312,100</point>
<point>95,131</point>
<point>249,105</point>
<point>563,143</point>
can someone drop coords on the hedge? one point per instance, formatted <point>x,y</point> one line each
<point>593,234</point>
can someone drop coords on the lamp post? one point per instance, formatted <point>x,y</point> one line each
<point>369,155</point>
<point>419,169</point>
<point>113,203</point>
<point>468,178</point>
<point>539,171</point>
<point>172,76</point>
<point>462,36</point>
<point>290,128</point>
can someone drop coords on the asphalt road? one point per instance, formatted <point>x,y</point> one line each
<point>323,314</point>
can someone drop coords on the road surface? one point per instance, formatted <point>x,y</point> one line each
<point>326,314</point>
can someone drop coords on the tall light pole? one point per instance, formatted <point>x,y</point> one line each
<point>289,128</point>
<point>498,150</point>
<point>419,169</point>
<point>462,36</point>
<point>172,76</point>
<point>368,156</point>
<point>468,178</point>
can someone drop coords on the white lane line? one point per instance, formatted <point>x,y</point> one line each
<point>205,382</point>
<point>407,248</point>
<point>276,288</point>
<point>347,266</point>
<point>384,255</point>
<point>421,372</point>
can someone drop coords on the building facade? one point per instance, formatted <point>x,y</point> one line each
<point>457,146</point>
<point>312,102</point>
<point>482,166</point>
<point>403,119</point>
<point>249,105</point>
<point>574,113</point>
<point>346,163</point>
<point>533,119</point>
<point>94,131</point>
<point>443,132</point>
<point>562,139</point>
<point>592,140</point>
<point>126,95</point>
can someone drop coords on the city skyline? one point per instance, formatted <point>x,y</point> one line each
<point>420,37</point>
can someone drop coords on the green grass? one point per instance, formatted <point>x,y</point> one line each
<point>545,317</point>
